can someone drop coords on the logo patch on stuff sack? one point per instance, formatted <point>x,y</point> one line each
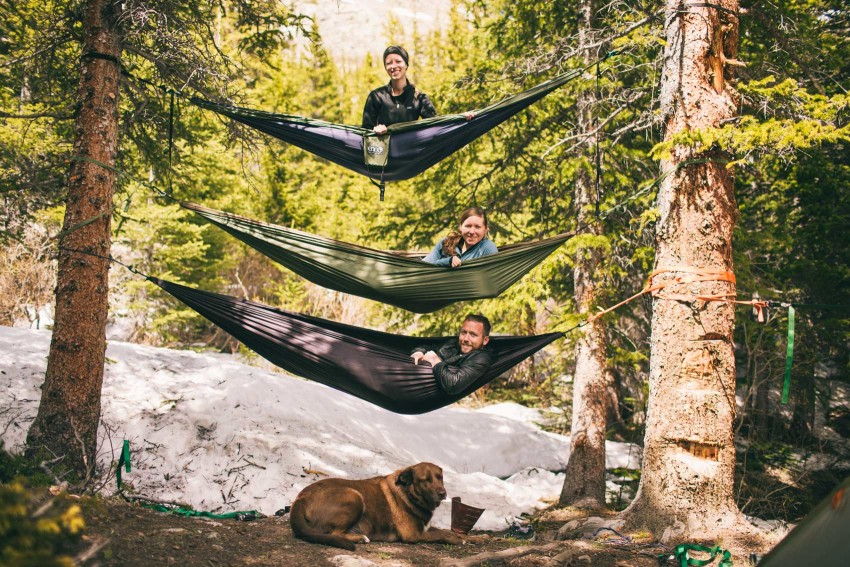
<point>376,150</point>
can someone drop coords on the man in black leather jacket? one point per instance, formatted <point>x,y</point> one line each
<point>459,363</point>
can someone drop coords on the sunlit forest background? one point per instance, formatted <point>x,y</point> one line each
<point>791,242</point>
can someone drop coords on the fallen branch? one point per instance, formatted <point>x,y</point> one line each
<point>87,554</point>
<point>570,556</point>
<point>492,557</point>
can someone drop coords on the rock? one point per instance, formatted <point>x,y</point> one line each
<point>351,561</point>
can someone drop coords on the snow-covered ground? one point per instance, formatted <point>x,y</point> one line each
<point>221,435</point>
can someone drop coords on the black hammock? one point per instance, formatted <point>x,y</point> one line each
<point>371,365</point>
<point>395,278</point>
<point>412,147</point>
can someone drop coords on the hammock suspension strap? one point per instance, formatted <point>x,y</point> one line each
<point>789,356</point>
<point>689,275</point>
<point>596,130</point>
<point>171,507</point>
<point>682,558</point>
<point>170,141</point>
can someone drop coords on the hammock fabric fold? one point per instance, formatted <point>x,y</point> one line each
<point>395,278</point>
<point>371,365</point>
<point>413,146</point>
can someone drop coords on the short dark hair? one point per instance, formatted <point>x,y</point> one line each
<point>398,50</point>
<point>479,318</point>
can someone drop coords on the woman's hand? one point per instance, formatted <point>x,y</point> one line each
<point>417,356</point>
<point>455,261</point>
<point>380,129</point>
<point>469,115</point>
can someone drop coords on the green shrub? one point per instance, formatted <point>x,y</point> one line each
<point>37,534</point>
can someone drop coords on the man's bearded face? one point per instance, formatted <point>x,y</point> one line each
<point>472,336</point>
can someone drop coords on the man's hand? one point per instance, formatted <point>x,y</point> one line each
<point>380,129</point>
<point>432,357</point>
<point>417,356</point>
<point>456,262</point>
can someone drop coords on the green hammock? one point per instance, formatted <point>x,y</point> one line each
<point>395,278</point>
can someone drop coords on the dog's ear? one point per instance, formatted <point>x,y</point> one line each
<point>405,477</point>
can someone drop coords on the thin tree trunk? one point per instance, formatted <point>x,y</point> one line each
<point>584,485</point>
<point>689,456</point>
<point>69,412</point>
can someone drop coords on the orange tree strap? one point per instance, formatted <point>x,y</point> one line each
<point>688,275</point>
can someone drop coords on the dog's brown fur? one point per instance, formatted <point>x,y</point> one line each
<point>396,507</point>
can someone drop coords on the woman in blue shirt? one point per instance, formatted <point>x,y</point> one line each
<point>468,242</point>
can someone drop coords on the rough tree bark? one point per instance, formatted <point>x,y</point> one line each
<point>584,485</point>
<point>69,411</point>
<point>689,456</point>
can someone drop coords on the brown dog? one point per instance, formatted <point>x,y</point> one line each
<point>396,507</point>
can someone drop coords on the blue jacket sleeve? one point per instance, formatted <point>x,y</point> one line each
<point>488,247</point>
<point>436,256</point>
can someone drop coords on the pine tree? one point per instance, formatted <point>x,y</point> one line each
<point>689,455</point>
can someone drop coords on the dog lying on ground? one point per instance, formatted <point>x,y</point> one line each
<point>396,507</point>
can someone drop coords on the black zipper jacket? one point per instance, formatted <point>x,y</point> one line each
<point>384,108</point>
<point>458,370</point>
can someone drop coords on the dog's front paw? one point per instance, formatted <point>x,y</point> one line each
<point>364,539</point>
<point>474,539</point>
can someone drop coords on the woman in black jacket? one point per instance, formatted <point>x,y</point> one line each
<point>399,100</point>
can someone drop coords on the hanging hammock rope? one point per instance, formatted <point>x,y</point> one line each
<point>396,278</point>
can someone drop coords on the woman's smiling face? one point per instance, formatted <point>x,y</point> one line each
<point>395,66</point>
<point>473,229</point>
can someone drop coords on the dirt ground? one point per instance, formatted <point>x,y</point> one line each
<point>137,536</point>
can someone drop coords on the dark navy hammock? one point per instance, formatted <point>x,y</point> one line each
<point>371,365</point>
<point>412,147</point>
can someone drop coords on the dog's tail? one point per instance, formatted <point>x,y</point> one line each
<point>302,529</point>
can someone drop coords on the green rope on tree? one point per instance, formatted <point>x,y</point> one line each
<point>789,355</point>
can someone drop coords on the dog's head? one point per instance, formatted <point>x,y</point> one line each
<point>423,483</point>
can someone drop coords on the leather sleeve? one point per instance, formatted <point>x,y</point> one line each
<point>453,379</point>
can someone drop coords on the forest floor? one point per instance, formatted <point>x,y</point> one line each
<point>130,535</point>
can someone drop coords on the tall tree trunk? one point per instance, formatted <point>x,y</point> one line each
<point>584,485</point>
<point>689,456</point>
<point>69,412</point>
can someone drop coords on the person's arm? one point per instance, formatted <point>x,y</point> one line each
<point>426,108</point>
<point>436,256</point>
<point>370,111</point>
<point>455,379</point>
